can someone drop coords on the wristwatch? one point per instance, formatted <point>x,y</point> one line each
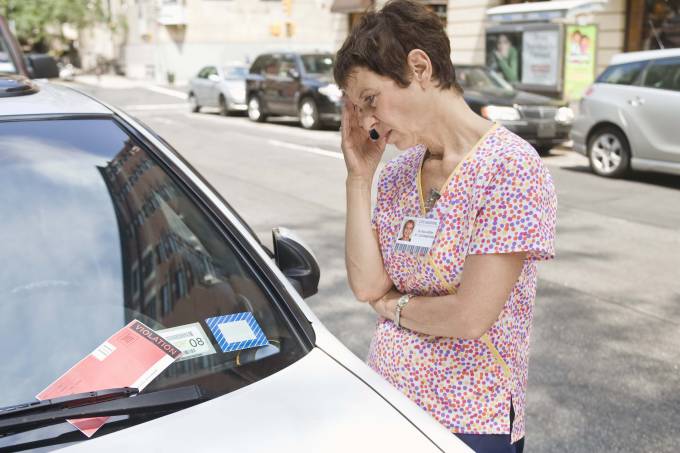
<point>401,303</point>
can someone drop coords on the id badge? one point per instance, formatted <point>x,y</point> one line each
<point>416,235</point>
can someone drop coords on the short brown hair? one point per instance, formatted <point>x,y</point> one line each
<point>382,40</point>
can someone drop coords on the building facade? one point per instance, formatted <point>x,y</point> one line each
<point>178,37</point>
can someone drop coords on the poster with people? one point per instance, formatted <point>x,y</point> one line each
<point>503,54</point>
<point>579,59</point>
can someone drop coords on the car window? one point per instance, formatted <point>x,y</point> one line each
<point>318,64</point>
<point>258,65</point>
<point>203,73</point>
<point>235,72</point>
<point>481,79</point>
<point>212,70</point>
<point>286,63</point>
<point>96,233</point>
<point>270,66</point>
<point>663,74</point>
<point>622,74</point>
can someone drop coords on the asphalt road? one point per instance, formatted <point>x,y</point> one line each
<point>605,359</point>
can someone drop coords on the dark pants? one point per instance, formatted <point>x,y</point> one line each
<point>493,443</point>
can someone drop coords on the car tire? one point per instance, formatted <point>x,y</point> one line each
<point>609,152</point>
<point>255,110</point>
<point>544,150</point>
<point>193,103</point>
<point>224,106</point>
<point>309,114</point>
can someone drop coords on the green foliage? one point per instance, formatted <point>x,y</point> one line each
<point>36,21</point>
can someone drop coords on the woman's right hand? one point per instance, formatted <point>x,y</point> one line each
<point>362,155</point>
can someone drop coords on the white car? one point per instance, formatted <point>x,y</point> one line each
<point>628,119</point>
<point>104,223</point>
<point>223,87</point>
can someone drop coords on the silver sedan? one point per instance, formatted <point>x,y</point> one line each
<point>219,86</point>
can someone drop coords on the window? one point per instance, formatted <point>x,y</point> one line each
<point>203,73</point>
<point>318,64</point>
<point>286,63</point>
<point>663,74</point>
<point>623,74</point>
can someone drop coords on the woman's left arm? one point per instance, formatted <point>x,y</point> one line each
<point>486,284</point>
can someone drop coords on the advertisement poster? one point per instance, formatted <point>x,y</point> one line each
<point>504,55</point>
<point>540,57</point>
<point>579,59</point>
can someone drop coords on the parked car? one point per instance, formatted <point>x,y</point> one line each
<point>104,223</point>
<point>628,118</point>
<point>540,120</point>
<point>223,87</point>
<point>294,84</point>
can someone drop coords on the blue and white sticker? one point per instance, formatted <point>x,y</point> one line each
<point>236,332</point>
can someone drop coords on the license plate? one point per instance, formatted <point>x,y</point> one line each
<point>547,129</point>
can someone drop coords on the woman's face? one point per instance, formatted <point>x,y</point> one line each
<point>382,105</point>
<point>408,231</point>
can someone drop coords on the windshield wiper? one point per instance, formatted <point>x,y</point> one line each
<point>25,417</point>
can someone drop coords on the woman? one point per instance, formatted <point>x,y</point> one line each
<point>455,314</point>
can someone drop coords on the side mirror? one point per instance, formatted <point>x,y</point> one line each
<point>296,261</point>
<point>42,66</point>
<point>214,78</point>
<point>293,73</point>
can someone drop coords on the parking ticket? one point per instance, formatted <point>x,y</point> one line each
<point>131,357</point>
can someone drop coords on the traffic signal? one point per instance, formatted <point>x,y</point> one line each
<point>290,29</point>
<point>287,6</point>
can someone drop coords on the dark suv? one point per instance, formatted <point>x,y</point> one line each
<point>294,84</point>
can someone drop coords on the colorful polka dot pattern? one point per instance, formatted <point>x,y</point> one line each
<point>501,199</point>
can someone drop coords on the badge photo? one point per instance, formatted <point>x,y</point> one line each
<point>416,235</point>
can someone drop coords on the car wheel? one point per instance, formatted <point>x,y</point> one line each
<point>609,153</point>
<point>193,103</point>
<point>224,107</point>
<point>309,114</point>
<point>544,150</point>
<point>255,112</point>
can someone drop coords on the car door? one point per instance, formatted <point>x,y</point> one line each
<point>212,87</point>
<point>652,108</point>
<point>270,73</point>
<point>287,85</point>
<point>198,85</point>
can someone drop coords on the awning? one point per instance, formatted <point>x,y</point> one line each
<point>545,11</point>
<point>350,6</point>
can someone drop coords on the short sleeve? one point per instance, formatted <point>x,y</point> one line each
<point>517,211</point>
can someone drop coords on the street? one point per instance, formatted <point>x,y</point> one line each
<point>605,355</point>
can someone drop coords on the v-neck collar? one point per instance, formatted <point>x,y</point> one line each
<point>445,186</point>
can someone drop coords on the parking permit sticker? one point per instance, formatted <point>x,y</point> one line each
<point>191,339</point>
<point>237,331</point>
<point>416,235</point>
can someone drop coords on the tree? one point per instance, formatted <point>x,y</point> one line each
<point>37,22</point>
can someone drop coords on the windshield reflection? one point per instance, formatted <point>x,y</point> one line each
<point>96,233</point>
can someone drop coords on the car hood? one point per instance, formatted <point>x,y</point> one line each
<point>311,406</point>
<point>505,97</point>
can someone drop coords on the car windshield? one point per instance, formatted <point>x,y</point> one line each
<point>235,72</point>
<point>318,64</point>
<point>96,234</point>
<point>481,79</point>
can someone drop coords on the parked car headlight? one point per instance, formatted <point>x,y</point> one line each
<point>331,91</point>
<point>564,115</point>
<point>499,113</point>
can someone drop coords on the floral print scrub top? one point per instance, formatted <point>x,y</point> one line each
<point>500,199</point>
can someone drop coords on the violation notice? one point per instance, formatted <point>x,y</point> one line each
<point>131,357</point>
<point>190,339</point>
